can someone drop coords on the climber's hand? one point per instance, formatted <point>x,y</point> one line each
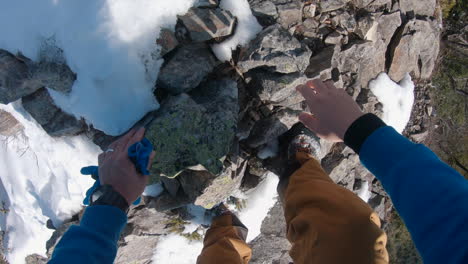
<point>332,110</point>
<point>117,170</point>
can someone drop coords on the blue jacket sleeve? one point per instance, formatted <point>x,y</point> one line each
<point>430,196</point>
<point>94,240</point>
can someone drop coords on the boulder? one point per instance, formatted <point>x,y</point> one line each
<point>265,11</point>
<point>53,120</point>
<point>141,235</point>
<point>204,24</point>
<point>179,75</point>
<point>321,64</point>
<point>276,88</point>
<point>367,28</point>
<point>333,38</point>
<point>270,128</point>
<point>276,49</point>
<point>167,40</point>
<point>387,26</point>
<point>189,133</point>
<point>19,76</point>
<point>366,59</point>
<point>56,76</point>
<point>330,5</point>
<point>15,78</point>
<point>35,259</point>
<point>365,3</point>
<point>207,3</point>
<point>290,14</point>
<point>9,126</point>
<point>416,50</point>
<point>309,10</point>
<point>419,7</point>
<point>346,21</point>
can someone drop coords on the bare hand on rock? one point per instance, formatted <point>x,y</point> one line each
<point>332,110</point>
<point>117,170</point>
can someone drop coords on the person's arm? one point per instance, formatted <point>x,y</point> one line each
<point>95,239</point>
<point>431,197</point>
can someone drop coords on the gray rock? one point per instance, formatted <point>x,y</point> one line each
<point>20,76</point>
<point>167,40</point>
<point>270,128</point>
<point>416,51</point>
<point>171,185</point>
<point>222,186</point>
<point>15,78</point>
<point>309,28</point>
<point>277,88</point>
<point>334,38</point>
<point>179,75</point>
<point>321,64</point>
<point>309,11</point>
<point>141,235</point>
<point>388,24</point>
<point>330,5</point>
<point>193,182</point>
<point>9,126</point>
<point>420,7</point>
<point>58,77</point>
<point>265,11</point>
<point>207,3</point>
<point>207,24</point>
<point>277,49</point>
<point>35,259</point>
<point>366,59</point>
<point>272,246</point>
<point>52,119</point>
<point>347,21</point>
<point>367,28</point>
<point>186,133</point>
<point>365,3</point>
<point>290,14</point>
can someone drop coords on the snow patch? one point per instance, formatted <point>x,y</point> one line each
<point>40,180</point>
<point>153,190</point>
<point>397,99</point>
<point>109,44</point>
<point>177,249</point>
<point>364,192</point>
<point>247,28</point>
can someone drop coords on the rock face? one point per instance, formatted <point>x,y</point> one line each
<point>141,235</point>
<point>9,126</point>
<point>54,121</point>
<point>19,77</point>
<point>205,24</point>
<point>186,133</point>
<point>167,40</point>
<point>179,75</point>
<point>276,49</point>
<point>330,5</point>
<point>416,51</point>
<point>277,88</point>
<point>271,246</point>
<point>419,7</point>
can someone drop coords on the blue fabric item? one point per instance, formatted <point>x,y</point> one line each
<point>430,196</point>
<point>94,240</point>
<point>139,153</point>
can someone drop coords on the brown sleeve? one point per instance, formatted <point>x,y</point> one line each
<point>225,242</point>
<point>327,223</point>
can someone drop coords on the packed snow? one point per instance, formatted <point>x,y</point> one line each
<point>247,28</point>
<point>397,99</point>
<point>364,193</point>
<point>40,180</point>
<point>109,44</point>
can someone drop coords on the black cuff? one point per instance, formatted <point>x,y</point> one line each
<point>360,129</point>
<point>106,195</point>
